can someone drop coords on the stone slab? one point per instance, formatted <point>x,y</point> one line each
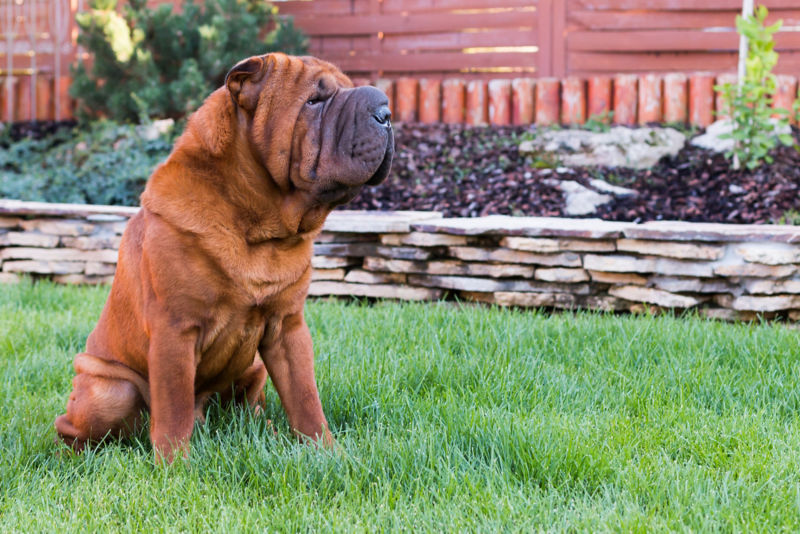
<point>526,226</point>
<point>769,253</point>
<point>58,254</point>
<point>449,267</point>
<point>486,285</point>
<point>358,276</point>
<point>373,291</point>
<point>94,268</point>
<point>563,275</point>
<point>405,253</point>
<point>327,274</point>
<point>28,239</point>
<point>423,239</point>
<point>617,278</point>
<point>371,222</point>
<point>764,304</point>
<point>671,249</point>
<point>772,287</point>
<point>504,255</point>
<point>92,242</point>
<point>646,264</point>
<point>343,237</point>
<point>546,245</point>
<point>60,227</point>
<point>344,249</point>
<point>535,300</point>
<point>10,222</point>
<point>80,279</point>
<point>333,262</point>
<point>43,267</point>
<point>653,296</point>
<point>19,207</point>
<point>718,232</point>
<point>755,270</point>
<point>690,285</point>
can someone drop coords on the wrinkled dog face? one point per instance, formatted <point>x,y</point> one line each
<point>341,136</point>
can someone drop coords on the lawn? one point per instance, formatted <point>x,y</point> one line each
<point>449,419</point>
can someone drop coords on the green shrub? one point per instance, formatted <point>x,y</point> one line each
<point>750,104</point>
<point>107,163</point>
<point>159,63</point>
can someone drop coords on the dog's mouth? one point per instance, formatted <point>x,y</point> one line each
<point>385,166</point>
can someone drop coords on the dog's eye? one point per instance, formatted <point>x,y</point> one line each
<point>313,101</point>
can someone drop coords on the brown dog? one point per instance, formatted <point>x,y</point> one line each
<point>213,271</point>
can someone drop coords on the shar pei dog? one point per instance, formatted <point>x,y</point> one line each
<point>214,270</point>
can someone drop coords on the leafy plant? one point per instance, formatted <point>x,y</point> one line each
<point>749,105</point>
<point>158,63</point>
<point>107,163</point>
<point>599,123</point>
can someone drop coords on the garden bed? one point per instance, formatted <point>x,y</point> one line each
<point>470,172</point>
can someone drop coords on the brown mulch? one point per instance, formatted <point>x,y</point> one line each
<point>470,172</point>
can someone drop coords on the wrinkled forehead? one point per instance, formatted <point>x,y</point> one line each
<point>328,73</point>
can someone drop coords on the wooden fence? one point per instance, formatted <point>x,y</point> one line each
<point>431,39</point>
<point>503,38</point>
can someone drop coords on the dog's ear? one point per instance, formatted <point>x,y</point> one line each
<point>246,79</point>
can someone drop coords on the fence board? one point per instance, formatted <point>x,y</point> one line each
<point>441,22</point>
<point>646,20</point>
<point>676,5</point>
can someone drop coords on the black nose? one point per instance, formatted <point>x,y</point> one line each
<point>382,114</point>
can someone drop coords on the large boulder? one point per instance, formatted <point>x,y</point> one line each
<point>636,148</point>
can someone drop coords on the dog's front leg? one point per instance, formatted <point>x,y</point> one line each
<point>172,365</point>
<point>289,356</point>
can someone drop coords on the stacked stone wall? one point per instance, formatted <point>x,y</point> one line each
<point>723,271</point>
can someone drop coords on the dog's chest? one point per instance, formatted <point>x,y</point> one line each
<point>230,343</point>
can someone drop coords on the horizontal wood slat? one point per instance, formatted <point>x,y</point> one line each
<point>433,62</point>
<point>659,20</point>
<point>412,23</point>
<point>675,5</point>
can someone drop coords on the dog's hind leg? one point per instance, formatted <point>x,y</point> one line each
<point>107,399</point>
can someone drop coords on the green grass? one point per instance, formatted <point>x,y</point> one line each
<point>449,419</point>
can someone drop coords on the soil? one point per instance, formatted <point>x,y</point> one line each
<point>470,172</point>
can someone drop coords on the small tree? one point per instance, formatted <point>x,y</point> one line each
<point>749,104</point>
<point>158,63</point>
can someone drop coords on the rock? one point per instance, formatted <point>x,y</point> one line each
<point>43,267</point>
<point>333,262</point>
<point>617,278</point>
<point>772,287</point>
<point>769,253</point>
<point>358,276</point>
<point>324,288</point>
<point>711,138</point>
<point>617,191</point>
<point>549,245</point>
<point>563,275</point>
<point>327,274</point>
<point>500,255</point>
<point>580,200</point>
<point>755,270</point>
<point>671,249</point>
<point>423,239</point>
<point>449,267</point>
<point>653,296</point>
<point>28,239</point>
<point>59,254</point>
<point>636,148</point>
